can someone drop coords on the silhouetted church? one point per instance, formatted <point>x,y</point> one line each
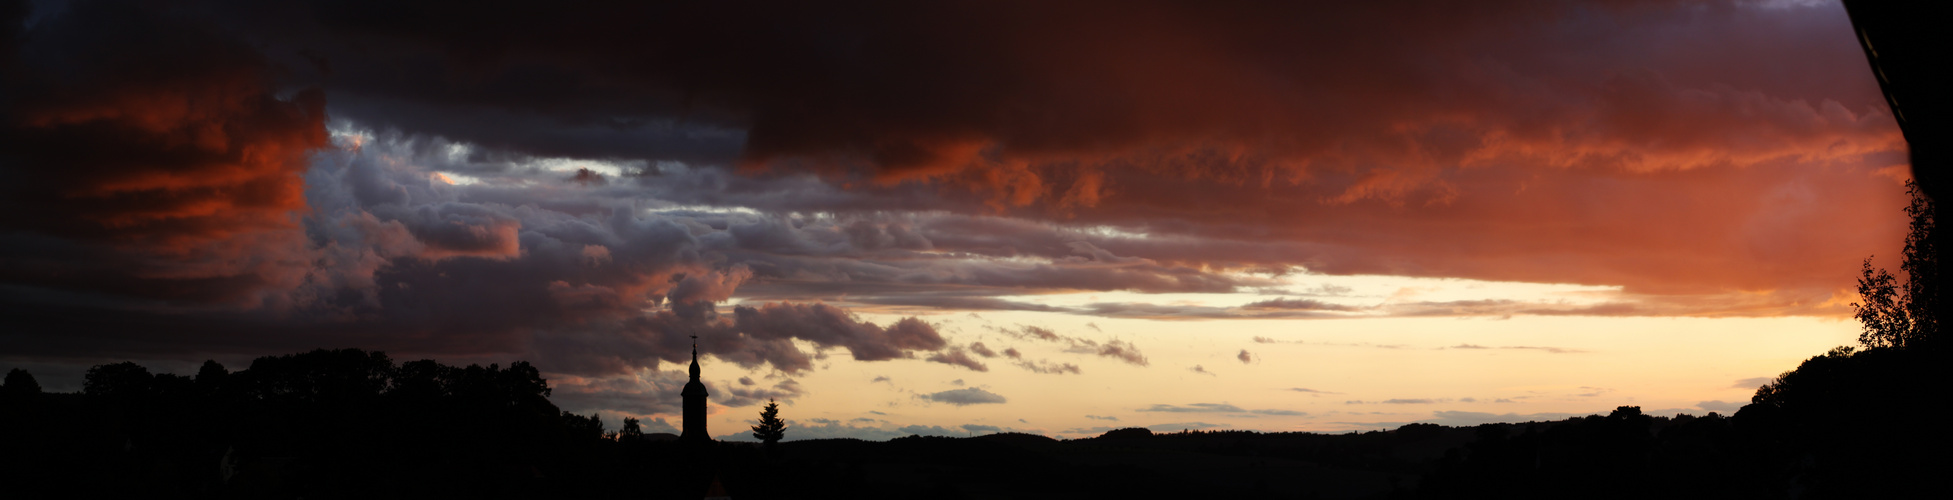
<point>694,395</point>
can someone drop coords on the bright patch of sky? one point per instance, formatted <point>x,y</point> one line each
<point>1355,291</point>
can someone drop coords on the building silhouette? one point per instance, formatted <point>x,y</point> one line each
<point>694,395</point>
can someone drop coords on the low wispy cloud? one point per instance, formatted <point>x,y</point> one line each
<point>1752,383</point>
<point>1553,350</point>
<point>1115,349</point>
<point>1218,408</point>
<point>1196,408</point>
<point>1719,406</point>
<point>956,356</point>
<point>965,397</point>
<point>1401,401</point>
<point>1046,367</point>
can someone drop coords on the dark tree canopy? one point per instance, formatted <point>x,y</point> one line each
<point>20,382</point>
<point>118,380</point>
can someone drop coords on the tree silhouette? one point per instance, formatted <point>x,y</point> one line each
<point>1903,315</point>
<point>20,382</point>
<point>631,430</point>
<point>770,428</point>
<point>118,380</point>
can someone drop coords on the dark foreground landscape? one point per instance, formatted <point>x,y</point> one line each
<point>353,424</point>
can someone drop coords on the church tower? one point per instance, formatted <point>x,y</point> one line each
<point>695,395</point>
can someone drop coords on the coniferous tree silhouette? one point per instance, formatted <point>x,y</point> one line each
<point>770,428</point>
<point>1904,315</point>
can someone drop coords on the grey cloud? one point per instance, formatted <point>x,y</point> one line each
<point>1286,303</point>
<point>830,326</point>
<point>1098,417</point>
<point>1032,333</point>
<point>1752,383</point>
<point>966,396</point>
<point>826,429</point>
<point>1042,366</point>
<point>928,430</point>
<point>1719,406</point>
<point>655,393</point>
<point>955,356</point>
<point>1195,408</point>
<point>1184,426</point>
<point>653,426</point>
<point>975,429</point>
<point>1120,350</point>
<point>787,390</point>
<point>958,302</point>
<point>1245,357</point>
<point>982,350</point>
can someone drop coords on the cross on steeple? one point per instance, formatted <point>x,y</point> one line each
<point>694,358</point>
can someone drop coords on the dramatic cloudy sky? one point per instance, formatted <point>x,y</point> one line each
<point>957,217</point>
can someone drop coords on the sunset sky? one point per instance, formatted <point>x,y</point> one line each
<point>957,217</point>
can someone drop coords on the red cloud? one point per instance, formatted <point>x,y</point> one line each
<point>161,142</point>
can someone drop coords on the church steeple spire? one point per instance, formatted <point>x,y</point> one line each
<point>694,395</point>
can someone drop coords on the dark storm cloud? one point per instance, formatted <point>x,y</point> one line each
<point>398,259</point>
<point>1227,104</point>
<point>1215,106</point>
<point>585,186</point>
<point>150,157</point>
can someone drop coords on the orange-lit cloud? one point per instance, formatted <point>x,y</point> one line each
<point>596,186</point>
